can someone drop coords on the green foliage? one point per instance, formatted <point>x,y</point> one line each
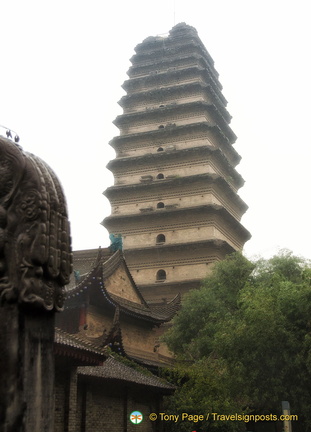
<point>202,390</point>
<point>192,335</point>
<point>246,333</point>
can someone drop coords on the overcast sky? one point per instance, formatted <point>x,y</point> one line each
<point>62,66</point>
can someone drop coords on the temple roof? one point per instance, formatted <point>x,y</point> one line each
<point>95,281</point>
<point>107,367</point>
<point>85,260</point>
<point>72,345</point>
<point>114,370</point>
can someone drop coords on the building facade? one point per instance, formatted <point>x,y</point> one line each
<point>108,350</point>
<point>104,306</point>
<point>175,197</point>
<point>95,392</point>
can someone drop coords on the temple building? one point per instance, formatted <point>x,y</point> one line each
<point>104,307</point>
<point>175,196</point>
<point>105,329</point>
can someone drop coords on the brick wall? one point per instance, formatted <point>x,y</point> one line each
<point>95,405</point>
<point>108,408</point>
<point>104,408</point>
<point>65,398</point>
<point>145,402</point>
<point>72,403</point>
<point>60,400</point>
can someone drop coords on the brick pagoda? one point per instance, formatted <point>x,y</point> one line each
<point>174,200</point>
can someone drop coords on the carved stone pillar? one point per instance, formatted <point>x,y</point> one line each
<point>35,264</point>
<point>12,404</point>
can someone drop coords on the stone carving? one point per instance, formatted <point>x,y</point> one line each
<point>35,245</point>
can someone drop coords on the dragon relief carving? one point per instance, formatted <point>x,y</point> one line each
<point>35,243</point>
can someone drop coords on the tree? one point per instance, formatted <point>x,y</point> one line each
<point>247,331</point>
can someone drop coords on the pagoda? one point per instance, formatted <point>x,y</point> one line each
<point>175,196</point>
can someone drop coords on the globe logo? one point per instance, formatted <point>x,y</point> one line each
<point>136,417</point>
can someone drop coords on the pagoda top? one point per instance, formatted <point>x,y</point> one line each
<point>183,28</point>
<point>179,31</point>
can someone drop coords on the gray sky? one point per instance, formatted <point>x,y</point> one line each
<point>63,64</point>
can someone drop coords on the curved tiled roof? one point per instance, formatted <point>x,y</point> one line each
<point>117,371</point>
<point>164,313</point>
<point>95,279</point>
<point>84,261</point>
<point>74,346</point>
<point>91,351</point>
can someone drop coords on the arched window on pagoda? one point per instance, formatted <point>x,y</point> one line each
<point>160,149</point>
<point>161,275</point>
<point>160,205</point>
<point>160,176</point>
<point>160,239</point>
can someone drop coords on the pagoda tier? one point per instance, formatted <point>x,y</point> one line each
<point>171,271</point>
<point>174,225</point>
<point>175,138</point>
<point>173,116</point>
<point>196,90</point>
<point>185,78</point>
<point>174,199</point>
<point>175,191</point>
<point>172,164</point>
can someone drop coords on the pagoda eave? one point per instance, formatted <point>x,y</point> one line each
<point>218,243</point>
<point>162,213</point>
<point>156,92</point>
<point>176,183</point>
<point>128,160</point>
<point>164,156</point>
<point>168,132</point>
<point>126,119</point>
